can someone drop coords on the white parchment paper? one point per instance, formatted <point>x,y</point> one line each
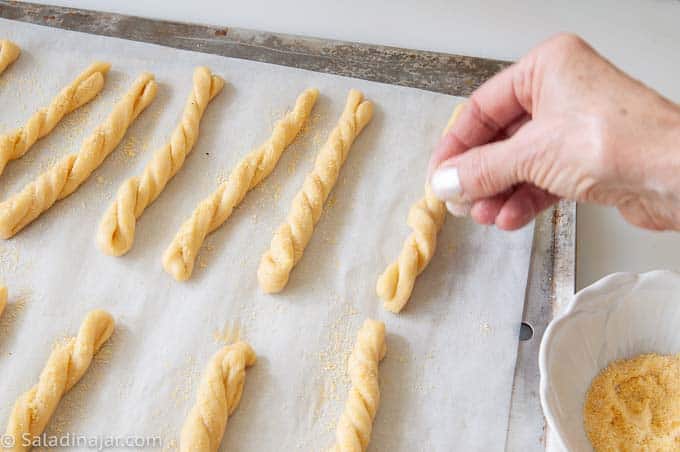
<point>446,380</point>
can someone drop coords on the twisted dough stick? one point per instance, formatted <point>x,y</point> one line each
<point>218,396</point>
<point>71,171</point>
<point>3,298</point>
<point>9,52</point>
<point>117,229</point>
<point>356,423</point>
<point>213,211</point>
<point>425,218</point>
<point>292,237</point>
<point>82,90</point>
<point>65,367</point>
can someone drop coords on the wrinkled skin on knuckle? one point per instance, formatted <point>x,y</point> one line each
<point>539,162</point>
<point>533,167</point>
<point>567,159</point>
<point>482,180</point>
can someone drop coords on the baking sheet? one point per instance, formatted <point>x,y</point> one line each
<point>447,378</point>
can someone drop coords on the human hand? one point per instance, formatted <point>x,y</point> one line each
<point>562,122</point>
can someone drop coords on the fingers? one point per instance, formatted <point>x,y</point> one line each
<point>486,210</point>
<point>491,109</point>
<point>490,169</point>
<point>523,206</point>
<point>513,209</point>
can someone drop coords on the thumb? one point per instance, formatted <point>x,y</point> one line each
<point>484,171</point>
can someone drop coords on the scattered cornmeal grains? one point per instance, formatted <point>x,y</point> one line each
<point>3,298</point>
<point>634,405</point>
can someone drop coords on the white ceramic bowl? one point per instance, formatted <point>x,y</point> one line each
<point>620,316</point>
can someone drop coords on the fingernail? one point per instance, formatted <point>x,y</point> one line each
<point>459,209</point>
<point>445,184</point>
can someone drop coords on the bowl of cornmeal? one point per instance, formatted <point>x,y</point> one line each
<point>610,366</point>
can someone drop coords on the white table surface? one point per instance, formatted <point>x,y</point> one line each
<point>643,38</point>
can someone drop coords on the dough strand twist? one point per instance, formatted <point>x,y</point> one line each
<point>66,365</point>
<point>219,393</point>
<point>425,218</point>
<point>294,234</point>
<point>82,90</point>
<point>9,52</point>
<point>213,211</point>
<point>354,428</point>
<point>117,229</point>
<point>3,298</point>
<point>72,170</point>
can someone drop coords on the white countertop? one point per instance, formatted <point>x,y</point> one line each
<point>642,38</point>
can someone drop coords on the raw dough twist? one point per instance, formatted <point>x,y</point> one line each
<point>425,218</point>
<point>213,211</point>
<point>218,396</point>
<point>3,298</point>
<point>292,237</point>
<point>65,367</point>
<point>9,52</point>
<point>117,229</point>
<point>353,432</point>
<point>71,171</point>
<point>82,90</point>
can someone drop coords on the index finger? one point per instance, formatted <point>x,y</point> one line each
<point>492,107</point>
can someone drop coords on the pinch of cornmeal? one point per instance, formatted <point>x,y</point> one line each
<point>634,405</point>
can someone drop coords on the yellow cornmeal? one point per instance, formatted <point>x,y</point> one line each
<point>634,405</point>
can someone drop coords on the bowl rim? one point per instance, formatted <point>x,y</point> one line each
<point>605,284</point>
